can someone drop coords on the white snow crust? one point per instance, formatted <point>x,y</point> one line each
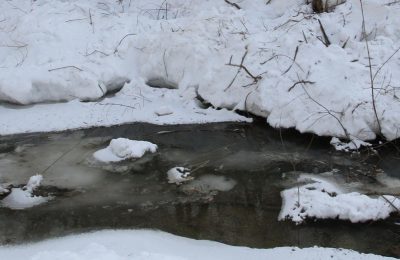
<point>76,51</point>
<point>324,199</point>
<point>144,244</point>
<point>122,149</point>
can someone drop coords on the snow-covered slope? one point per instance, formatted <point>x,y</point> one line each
<point>64,50</point>
<point>143,244</point>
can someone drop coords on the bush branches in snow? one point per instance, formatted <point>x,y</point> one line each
<point>371,74</point>
<point>370,69</point>
<point>240,67</point>
<point>327,111</point>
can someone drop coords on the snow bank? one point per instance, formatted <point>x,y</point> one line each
<point>178,175</point>
<point>122,149</point>
<point>143,244</point>
<point>195,49</point>
<point>22,198</point>
<point>323,199</point>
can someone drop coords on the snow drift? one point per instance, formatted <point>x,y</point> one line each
<point>144,244</point>
<point>268,59</point>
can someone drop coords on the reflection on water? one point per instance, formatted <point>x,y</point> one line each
<point>235,198</point>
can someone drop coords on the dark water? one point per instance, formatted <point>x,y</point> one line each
<point>135,194</point>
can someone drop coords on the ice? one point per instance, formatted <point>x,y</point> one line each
<point>209,182</point>
<point>122,149</point>
<point>321,198</point>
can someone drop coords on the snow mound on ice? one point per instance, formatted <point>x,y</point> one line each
<point>178,175</point>
<point>121,149</point>
<point>323,199</point>
<point>143,244</point>
<point>22,198</point>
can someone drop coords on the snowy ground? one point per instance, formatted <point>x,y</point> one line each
<point>142,244</point>
<point>52,51</point>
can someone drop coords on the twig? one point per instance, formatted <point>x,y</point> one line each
<point>233,4</point>
<point>370,70</point>
<point>304,36</point>
<point>65,67</point>
<point>327,111</point>
<point>95,51</point>
<point>165,65</point>
<point>240,67</point>
<point>345,43</point>
<point>391,203</point>
<point>115,104</point>
<point>383,64</point>
<point>90,20</point>
<point>327,41</point>
<point>293,60</point>
<point>283,55</point>
<point>393,3</point>
<point>120,42</point>
<point>300,82</point>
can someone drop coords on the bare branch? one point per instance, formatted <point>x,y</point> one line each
<point>240,67</point>
<point>120,42</point>
<point>65,67</point>
<point>233,4</point>
<point>370,70</point>
<point>327,42</point>
<point>300,82</point>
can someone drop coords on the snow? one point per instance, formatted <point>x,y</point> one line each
<point>22,198</point>
<point>122,149</point>
<point>321,198</point>
<point>187,50</point>
<point>178,175</point>
<point>33,183</point>
<point>146,244</point>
